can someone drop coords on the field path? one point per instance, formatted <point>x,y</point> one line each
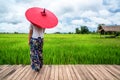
<point>60,72</point>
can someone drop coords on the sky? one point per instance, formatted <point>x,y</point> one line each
<point>71,14</point>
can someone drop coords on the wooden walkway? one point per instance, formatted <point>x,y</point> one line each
<point>60,72</point>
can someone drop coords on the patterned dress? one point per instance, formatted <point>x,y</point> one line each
<point>36,49</point>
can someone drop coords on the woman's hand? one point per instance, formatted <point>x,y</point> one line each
<point>29,43</point>
<point>29,36</point>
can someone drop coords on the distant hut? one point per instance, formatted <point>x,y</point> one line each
<point>114,29</point>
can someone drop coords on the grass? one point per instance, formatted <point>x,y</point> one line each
<point>62,49</point>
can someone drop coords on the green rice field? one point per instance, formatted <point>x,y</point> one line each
<point>62,49</point>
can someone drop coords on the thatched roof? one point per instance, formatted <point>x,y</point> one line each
<point>115,28</point>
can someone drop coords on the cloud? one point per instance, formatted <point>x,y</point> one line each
<point>71,14</point>
<point>104,13</point>
<point>100,20</point>
<point>112,5</point>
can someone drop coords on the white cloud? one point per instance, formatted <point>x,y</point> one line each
<point>8,27</point>
<point>71,14</point>
<point>112,5</point>
<point>104,13</point>
<point>78,22</point>
<point>115,18</point>
<point>100,20</point>
<point>89,14</point>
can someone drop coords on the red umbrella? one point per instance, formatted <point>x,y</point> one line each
<point>42,18</point>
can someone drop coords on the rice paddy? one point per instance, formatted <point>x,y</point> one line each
<point>62,49</point>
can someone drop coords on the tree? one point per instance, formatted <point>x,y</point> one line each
<point>77,31</point>
<point>57,33</point>
<point>84,30</point>
<point>15,32</point>
<point>99,26</point>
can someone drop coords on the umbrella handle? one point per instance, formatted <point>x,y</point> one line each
<point>43,13</point>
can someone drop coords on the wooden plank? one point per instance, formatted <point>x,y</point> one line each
<point>65,77</point>
<point>72,72</point>
<point>98,72</point>
<point>18,72</point>
<point>80,71</point>
<point>0,69</point>
<point>10,72</point>
<point>93,72</point>
<point>4,68</point>
<point>88,73</point>
<point>40,74</point>
<point>104,73</point>
<point>60,72</point>
<point>112,71</point>
<point>23,73</point>
<point>12,75</point>
<point>56,72</point>
<point>52,75</point>
<point>68,72</point>
<point>31,75</point>
<point>76,73</point>
<point>44,73</point>
<point>34,75</point>
<point>6,72</point>
<point>85,72</point>
<point>27,73</point>
<point>117,67</point>
<point>107,73</point>
<point>47,77</point>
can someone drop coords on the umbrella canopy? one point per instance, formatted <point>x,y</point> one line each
<point>42,18</point>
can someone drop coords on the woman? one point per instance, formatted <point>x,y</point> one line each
<point>40,20</point>
<point>35,40</point>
